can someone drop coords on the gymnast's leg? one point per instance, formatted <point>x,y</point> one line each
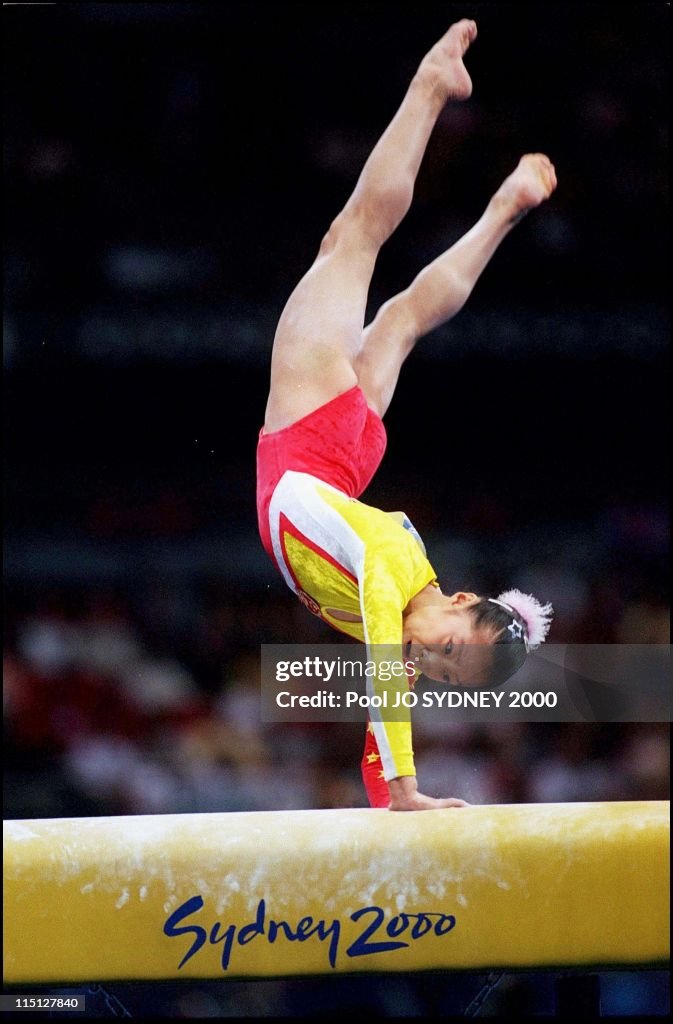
<point>441,289</point>
<point>320,330</point>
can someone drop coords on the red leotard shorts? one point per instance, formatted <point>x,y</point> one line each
<point>342,443</point>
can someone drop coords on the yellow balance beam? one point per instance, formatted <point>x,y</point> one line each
<point>319,892</point>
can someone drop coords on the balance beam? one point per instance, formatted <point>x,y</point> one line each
<point>283,893</point>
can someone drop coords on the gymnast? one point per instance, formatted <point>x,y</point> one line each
<point>362,570</point>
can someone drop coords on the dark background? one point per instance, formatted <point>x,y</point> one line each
<point>169,172</point>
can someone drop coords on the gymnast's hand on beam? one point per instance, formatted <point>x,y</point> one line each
<point>404,796</point>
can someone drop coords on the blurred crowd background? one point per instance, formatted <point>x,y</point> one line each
<point>169,172</point>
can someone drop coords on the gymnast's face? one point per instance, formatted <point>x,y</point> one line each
<point>446,646</point>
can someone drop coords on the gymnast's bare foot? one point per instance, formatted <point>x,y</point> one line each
<point>443,64</point>
<point>533,181</point>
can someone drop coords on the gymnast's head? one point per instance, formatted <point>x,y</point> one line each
<point>466,640</point>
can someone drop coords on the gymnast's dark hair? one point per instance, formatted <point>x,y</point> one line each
<point>519,624</point>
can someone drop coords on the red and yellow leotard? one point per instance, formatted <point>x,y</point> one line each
<point>351,564</point>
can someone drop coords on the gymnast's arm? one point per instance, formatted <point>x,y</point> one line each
<point>381,607</point>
